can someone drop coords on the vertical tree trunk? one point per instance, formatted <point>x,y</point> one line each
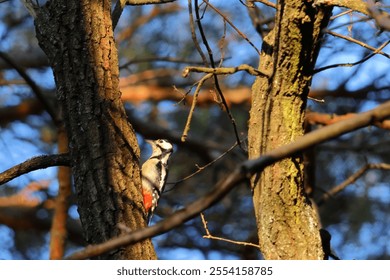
<point>77,37</point>
<point>58,231</point>
<point>288,227</point>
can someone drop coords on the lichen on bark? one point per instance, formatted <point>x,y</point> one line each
<point>288,227</point>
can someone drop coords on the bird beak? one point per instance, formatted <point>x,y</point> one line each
<point>149,141</point>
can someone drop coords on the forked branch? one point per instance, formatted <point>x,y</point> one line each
<point>210,236</point>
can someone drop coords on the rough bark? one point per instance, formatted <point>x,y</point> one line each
<point>78,39</point>
<point>288,227</point>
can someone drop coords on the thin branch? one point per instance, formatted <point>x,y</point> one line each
<point>378,50</point>
<point>343,13</point>
<point>364,45</point>
<point>157,58</point>
<point>249,5</point>
<point>232,25</point>
<point>32,164</point>
<point>201,147</point>
<point>193,34</point>
<point>141,20</point>
<point>117,12</point>
<point>356,5</point>
<point>360,93</point>
<point>201,168</point>
<point>350,22</point>
<point>120,5</point>
<point>327,119</point>
<point>212,63</point>
<point>210,236</point>
<point>34,87</point>
<point>189,118</point>
<point>265,2</point>
<point>242,173</point>
<point>350,180</point>
<point>147,2</point>
<point>223,70</point>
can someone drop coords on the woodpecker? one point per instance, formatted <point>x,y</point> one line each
<point>154,174</point>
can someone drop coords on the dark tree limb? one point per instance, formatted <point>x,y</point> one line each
<point>32,164</point>
<point>34,87</point>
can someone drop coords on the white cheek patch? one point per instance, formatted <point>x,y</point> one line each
<point>164,145</point>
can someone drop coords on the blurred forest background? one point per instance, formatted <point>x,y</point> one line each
<point>155,45</point>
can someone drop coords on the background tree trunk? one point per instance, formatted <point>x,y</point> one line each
<point>288,227</point>
<point>77,37</point>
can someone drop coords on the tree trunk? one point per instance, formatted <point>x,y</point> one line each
<point>77,37</point>
<point>288,227</point>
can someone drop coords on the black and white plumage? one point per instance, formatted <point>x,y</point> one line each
<point>154,174</point>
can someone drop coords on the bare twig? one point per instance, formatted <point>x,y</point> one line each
<point>33,164</point>
<point>266,2</point>
<point>240,174</point>
<point>202,147</point>
<point>340,14</point>
<point>201,168</point>
<point>358,94</point>
<point>159,58</point>
<point>223,70</point>
<point>212,63</point>
<point>147,2</point>
<point>353,40</point>
<point>34,87</point>
<point>249,5</point>
<point>193,34</point>
<point>196,93</point>
<point>232,25</point>
<point>350,180</point>
<point>356,5</point>
<point>350,22</point>
<point>141,20</point>
<point>120,4</point>
<point>327,119</point>
<point>378,50</point>
<point>210,236</point>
